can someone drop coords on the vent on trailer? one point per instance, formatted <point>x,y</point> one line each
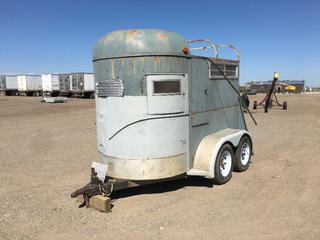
<point>110,88</point>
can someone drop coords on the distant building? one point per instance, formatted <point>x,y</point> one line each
<point>265,85</point>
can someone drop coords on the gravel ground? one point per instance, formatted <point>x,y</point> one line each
<point>46,151</point>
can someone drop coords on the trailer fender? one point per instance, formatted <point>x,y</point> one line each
<point>209,147</point>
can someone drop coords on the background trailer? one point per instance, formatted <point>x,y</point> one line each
<point>30,85</point>
<point>2,82</point>
<point>82,84</point>
<point>50,84</point>
<point>56,84</point>
<point>10,84</point>
<point>162,112</point>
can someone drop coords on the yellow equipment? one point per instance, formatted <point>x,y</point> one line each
<point>288,87</point>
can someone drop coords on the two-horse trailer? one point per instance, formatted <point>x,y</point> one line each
<point>10,85</point>
<point>162,112</point>
<point>30,85</point>
<point>55,84</point>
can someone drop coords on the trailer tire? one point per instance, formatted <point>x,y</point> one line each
<point>255,104</point>
<point>223,165</point>
<point>242,155</point>
<point>285,105</point>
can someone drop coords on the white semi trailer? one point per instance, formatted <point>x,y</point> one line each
<point>30,85</point>
<point>2,79</point>
<point>55,84</point>
<point>10,85</point>
<point>82,84</point>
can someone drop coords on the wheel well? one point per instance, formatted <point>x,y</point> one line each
<point>250,141</point>
<point>234,148</point>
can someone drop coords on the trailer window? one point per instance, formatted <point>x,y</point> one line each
<point>214,71</point>
<point>168,87</point>
<point>231,71</point>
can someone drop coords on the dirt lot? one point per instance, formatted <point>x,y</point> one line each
<point>46,152</point>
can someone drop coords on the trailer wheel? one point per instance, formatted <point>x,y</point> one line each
<point>255,104</point>
<point>285,105</point>
<point>223,165</point>
<point>242,155</point>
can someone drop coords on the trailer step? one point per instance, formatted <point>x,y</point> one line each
<point>197,172</point>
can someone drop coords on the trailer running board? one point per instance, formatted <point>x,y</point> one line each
<point>197,172</point>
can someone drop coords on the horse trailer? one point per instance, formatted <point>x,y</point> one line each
<point>163,113</point>
<point>55,84</point>
<point>10,85</point>
<point>82,84</point>
<point>30,85</point>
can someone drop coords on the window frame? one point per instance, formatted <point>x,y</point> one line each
<point>167,93</point>
<point>224,70</point>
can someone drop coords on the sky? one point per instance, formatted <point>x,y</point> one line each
<point>59,36</point>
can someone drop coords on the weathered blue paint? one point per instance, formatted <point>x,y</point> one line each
<point>131,55</point>
<point>135,42</point>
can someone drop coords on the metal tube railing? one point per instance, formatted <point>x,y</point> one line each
<point>211,45</point>
<point>232,47</point>
<point>215,47</point>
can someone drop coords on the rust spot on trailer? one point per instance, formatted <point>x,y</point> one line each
<point>162,36</point>
<point>132,32</point>
<point>112,69</point>
<point>123,66</point>
<point>133,67</point>
<point>157,60</point>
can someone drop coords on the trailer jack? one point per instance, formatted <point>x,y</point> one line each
<point>94,187</point>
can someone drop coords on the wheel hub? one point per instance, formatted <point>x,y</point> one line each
<point>245,154</point>
<point>225,163</point>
